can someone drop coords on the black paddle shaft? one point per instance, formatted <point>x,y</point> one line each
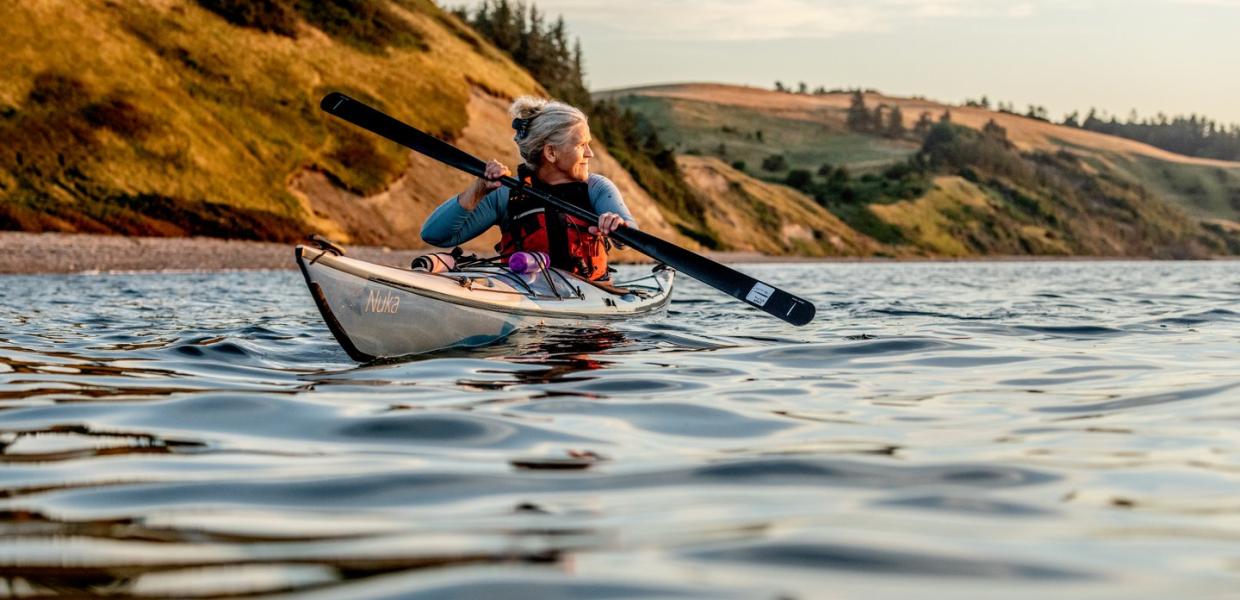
<point>762,296</point>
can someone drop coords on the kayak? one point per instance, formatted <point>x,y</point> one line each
<point>376,311</point>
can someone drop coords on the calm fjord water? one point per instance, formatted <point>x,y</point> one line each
<point>975,429</point>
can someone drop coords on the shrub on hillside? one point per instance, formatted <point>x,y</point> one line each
<point>57,90</point>
<point>799,179</point>
<point>953,147</point>
<point>774,163</point>
<point>368,25</point>
<point>367,170</point>
<point>117,114</point>
<point>271,16</point>
<point>861,218</point>
<point>47,137</point>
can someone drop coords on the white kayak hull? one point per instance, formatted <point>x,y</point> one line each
<point>376,311</point>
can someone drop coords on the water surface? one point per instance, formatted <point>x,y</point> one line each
<point>979,429</point>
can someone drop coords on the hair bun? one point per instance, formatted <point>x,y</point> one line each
<point>527,107</point>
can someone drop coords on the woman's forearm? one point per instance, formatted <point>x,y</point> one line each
<point>471,196</point>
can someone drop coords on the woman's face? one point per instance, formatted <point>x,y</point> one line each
<point>570,162</point>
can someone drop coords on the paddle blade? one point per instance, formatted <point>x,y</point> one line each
<point>758,294</point>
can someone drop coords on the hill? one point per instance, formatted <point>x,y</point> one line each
<point>175,117</point>
<point>1039,188</point>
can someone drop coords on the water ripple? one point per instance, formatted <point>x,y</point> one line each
<point>1066,426</point>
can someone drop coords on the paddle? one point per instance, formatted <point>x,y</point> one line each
<point>762,296</point>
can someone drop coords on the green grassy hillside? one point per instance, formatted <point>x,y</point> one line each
<point>750,135</point>
<point>960,191</point>
<point>164,117</point>
<point>1207,191</point>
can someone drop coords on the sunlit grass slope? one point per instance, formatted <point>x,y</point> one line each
<point>1035,189</point>
<point>162,117</point>
<point>806,139</point>
<point>694,114</point>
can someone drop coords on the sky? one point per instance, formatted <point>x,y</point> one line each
<point>1173,56</point>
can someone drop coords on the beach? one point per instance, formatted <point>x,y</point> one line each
<point>49,253</point>
<point>31,253</point>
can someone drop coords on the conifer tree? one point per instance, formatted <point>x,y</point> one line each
<point>858,118</point>
<point>1091,120</point>
<point>995,130</point>
<point>895,122</point>
<point>924,123</point>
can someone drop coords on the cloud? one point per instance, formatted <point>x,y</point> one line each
<point>696,20</point>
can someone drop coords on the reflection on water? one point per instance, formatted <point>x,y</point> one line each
<point>1020,429</point>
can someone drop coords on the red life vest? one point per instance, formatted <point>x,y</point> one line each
<point>531,226</point>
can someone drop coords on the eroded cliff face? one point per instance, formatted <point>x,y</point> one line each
<point>756,216</point>
<point>394,216</point>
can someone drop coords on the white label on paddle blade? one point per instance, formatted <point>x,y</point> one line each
<point>760,293</point>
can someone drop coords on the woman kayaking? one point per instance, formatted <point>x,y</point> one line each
<point>554,141</point>
<point>377,311</point>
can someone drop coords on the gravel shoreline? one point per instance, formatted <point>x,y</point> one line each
<point>31,253</point>
<point>49,253</point>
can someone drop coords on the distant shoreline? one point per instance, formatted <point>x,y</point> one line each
<point>61,253</point>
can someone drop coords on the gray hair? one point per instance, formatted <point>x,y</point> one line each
<point>540,122</point>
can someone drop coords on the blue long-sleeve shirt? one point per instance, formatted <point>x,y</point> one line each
<point>451,225</point>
